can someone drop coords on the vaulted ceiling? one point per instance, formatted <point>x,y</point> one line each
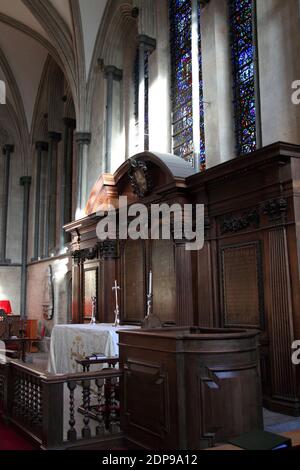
<point>32,29</point>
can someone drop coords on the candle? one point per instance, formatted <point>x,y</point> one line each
<point>116,292</point>
<point>150,283</point>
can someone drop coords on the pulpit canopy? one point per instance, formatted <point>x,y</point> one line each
<point>144,176</point>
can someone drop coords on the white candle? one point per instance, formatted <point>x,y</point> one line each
<point>150,283</point>
<point>116,293</point>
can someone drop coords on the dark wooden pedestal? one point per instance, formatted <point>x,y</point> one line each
<point>188,388</point>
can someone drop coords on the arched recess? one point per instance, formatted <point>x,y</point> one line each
<point>53,163</point>
<point>114,31</point>
<point>115,46</point>
<point>60,37</point>
<point>16,111</point>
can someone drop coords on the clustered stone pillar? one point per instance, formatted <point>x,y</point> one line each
<point>111,73</point>
<point>50,226</point>
<point>83,140</point>
<point>66,180</point>
<point>146,46</point>
<point>25,181</point>
<point>41,148</point>
<point>7,151</point>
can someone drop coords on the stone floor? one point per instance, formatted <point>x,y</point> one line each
<point>276,422</point>
<point>273,422</point>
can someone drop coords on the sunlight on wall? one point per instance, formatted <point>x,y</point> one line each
<point>3,294</point>
<point>159,127</point>
<point>60,269</point>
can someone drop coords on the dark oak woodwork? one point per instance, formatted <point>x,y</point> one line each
<point>188,388</point>
<point>247,272</point>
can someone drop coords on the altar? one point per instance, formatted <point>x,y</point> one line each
<point>71,342</point>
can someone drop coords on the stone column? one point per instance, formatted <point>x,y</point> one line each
<point>66,180</point>
<point>39,192</point>
<point>146,46</point>
<point>50,230</point>
<point>111,73</point>
<point>25,181</point>
<point>278,31</point>
<point>7,151</point>
<point>217,84</point>
<point>83,140</point>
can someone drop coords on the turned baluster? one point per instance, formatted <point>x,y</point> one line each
<point>34,402</point>
<point>16,402</point>
<point>72,434</point>
<point>30,400</point>
<point>100,429</point>
<point>39,405</point>
<point>86,431</point>
<point>26,398</point>
<point>22,396</point>
<point>113,424</point>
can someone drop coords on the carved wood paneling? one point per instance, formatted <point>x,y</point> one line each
<point>184,289</point>
<point>90,289</point>
<point>281,331</point>
<point>242,285</point>
<point>133,281</point>
<point>213,387</point>
<point>150,381</point>
<point>164,281</point>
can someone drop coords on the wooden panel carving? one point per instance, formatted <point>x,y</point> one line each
<point>242,285</point>
<point>133,285</point>
<point>90,290</point>
<point>283,380</point>
<point>213,389</point>
<point>142,379</point>
<point>164,281</point>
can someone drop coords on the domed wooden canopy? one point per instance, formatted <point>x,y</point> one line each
<point>141,177</point>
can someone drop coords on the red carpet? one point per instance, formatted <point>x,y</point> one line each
<point>11,439</point>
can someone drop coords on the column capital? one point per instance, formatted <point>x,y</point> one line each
<point>54,136</point>
<point>83,137</point>
<point>40,145</point>
<point>69,122</point>
<point>8,148</point>
<point>149,43</point>
<point>111,70</point>
<point>25,180</point>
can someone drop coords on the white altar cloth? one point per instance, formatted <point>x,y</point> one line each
<point>71,342</point>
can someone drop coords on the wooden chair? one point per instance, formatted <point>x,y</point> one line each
<point>4,325</point>
<point>31,332</point>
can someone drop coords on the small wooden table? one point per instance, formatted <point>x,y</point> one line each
<point>87,363</point>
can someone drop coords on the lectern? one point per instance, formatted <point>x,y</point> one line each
<point>189,388</point>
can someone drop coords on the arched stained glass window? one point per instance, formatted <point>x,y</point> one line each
<point>180,12</point>
<point>242,33</point>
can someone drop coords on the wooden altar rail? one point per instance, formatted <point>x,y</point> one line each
<point>62,411</point>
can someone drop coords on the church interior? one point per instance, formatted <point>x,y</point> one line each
<point>141,343</point>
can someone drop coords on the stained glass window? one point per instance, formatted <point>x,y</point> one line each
<point>242,56</point>
<point>180,12</point>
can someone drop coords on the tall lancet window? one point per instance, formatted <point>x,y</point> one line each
<point>187,86</point>
<point>244,60</point>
